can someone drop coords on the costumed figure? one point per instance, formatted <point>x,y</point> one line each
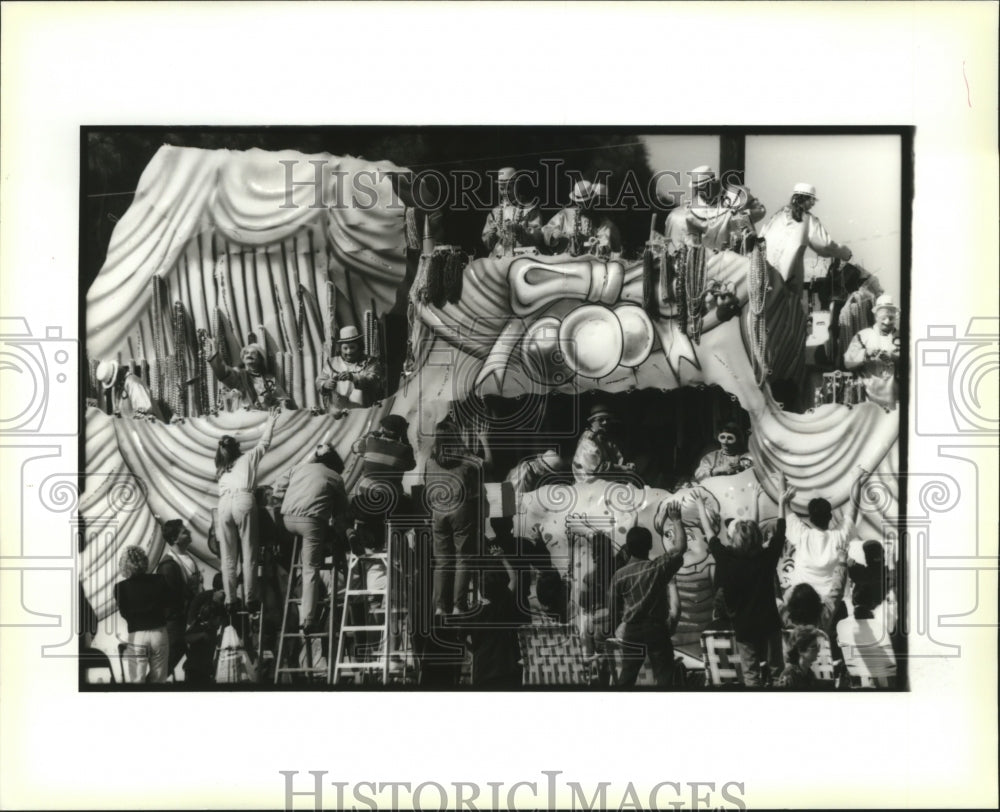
<point>581,229</point>
<point>544,469</point>
<point>236,519</point>
<point>597,454</point>
<point>794,228</point>
<point>129,395</point>
<point>874,353</point>
<point>420,226</point>
<point>717,219</point>
<point>353,380</point>
<point>728,459</point>
<point>257,389</point>
<point>510,225</point>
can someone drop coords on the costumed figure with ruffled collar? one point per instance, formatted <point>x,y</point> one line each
<point>257,389</point>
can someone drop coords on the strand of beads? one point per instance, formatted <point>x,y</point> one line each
<point>757,322</point>
<point>695,284</point>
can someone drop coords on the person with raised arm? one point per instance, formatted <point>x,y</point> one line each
<point>257,388</point>
<point>639,599</point>
<point>819,549</point>
<point>236,522</point>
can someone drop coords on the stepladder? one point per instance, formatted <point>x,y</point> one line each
<point>374,646</point>
<point>244,651</point>
<point>304,652</point>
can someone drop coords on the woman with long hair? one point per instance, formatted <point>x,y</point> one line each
<point>143,599</point>
<point>236,522</point>
<point>454,492</point>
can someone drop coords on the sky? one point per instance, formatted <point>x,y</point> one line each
<point>857,180</point>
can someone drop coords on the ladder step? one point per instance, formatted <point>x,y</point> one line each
<point>320,670</point>
<point>362,628</point>
<point>351,592</point>
<point>311,636</point>
<point>359,666</point>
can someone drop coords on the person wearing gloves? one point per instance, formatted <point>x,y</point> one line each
<point>511,225</point>
<point>257,389</point>
<point>580,228</point>
<point>129,395</point>
<point>351,380</point>
<point>874,353</point>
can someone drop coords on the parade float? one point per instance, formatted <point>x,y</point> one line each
<point>219,245</point>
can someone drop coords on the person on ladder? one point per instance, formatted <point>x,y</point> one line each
<point>386,455</point>
<point>312,497</point>
<point>236,473</point>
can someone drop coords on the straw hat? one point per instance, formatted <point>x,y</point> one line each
<point>583,190</point>
<point>106,373</point>
<point>804,189</point>
<point>349,335</point>
<point>701,175</point>
<point>506,174</point>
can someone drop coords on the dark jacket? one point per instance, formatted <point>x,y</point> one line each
<point>748,583</point>
<point>143,601</point>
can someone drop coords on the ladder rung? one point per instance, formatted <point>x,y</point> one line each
<point>321,669</point>
<point>359,666</point>
<point>364,592</point>
<point>362,628</point>
<point>310,636</point>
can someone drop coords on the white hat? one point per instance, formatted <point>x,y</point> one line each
<point>348,335</point>
<point>884,302</point>
<point>582,190</point>
<point>106,373</point>
<point>552,459</point>
<point>506,174</point>
<point>701,175</point>
<point>600,190</point>
<point>804,189</point>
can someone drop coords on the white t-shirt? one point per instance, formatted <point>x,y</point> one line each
<point>815,555</point>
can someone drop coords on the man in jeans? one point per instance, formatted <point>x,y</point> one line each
<point>638,597</point>
<point>311,495</point>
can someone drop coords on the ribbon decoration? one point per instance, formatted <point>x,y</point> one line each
<point>535,285</point>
